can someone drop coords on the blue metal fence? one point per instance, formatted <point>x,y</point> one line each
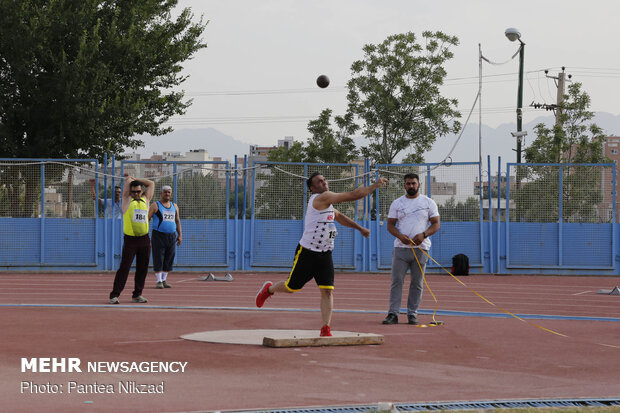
<point>280,195</point>
<point>573,207</point>
<point>550,219</point>
<point>203,200</point>
<point>36,229</point>
<point>461,229</point>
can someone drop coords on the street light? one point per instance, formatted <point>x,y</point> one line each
<point>513,34</point>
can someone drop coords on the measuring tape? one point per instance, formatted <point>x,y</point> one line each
<point>437,323</point>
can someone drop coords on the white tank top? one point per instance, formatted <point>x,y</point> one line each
<point>319,228</point>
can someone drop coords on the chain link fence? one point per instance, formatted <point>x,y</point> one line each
<point>455,189</point>
<point>280,196</point>
<point>202,193</point>
<point>556,216</point>
<point>566,210</point>
<point>47,210</point>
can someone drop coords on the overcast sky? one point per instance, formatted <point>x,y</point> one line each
<point>256,79</point>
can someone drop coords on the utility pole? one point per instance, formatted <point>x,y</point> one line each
<point>560,82</point>
<point>560,98</point>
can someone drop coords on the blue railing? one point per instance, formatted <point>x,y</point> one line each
<point>237,240</point>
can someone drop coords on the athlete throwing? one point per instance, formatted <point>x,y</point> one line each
<point>313,256</point>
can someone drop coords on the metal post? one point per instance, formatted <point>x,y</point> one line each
<point>490,212</point>
<point>115,221</point>
<point>520,102</point>
<point>236,186</point>
<point>498,267</point>
<point>42,212</point>
<point>105,221</point>
<point>480,103</point>
<point>245,191</point>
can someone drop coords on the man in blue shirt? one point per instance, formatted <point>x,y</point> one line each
<point>166,226</point>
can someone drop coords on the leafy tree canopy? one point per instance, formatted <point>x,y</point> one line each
<point>460,211</point>
<point>88,75</point>
<point>394,91</point>
<point>572,139</point>
<point>281,192</point>
<point>327,144</point>
<point>295,153</point>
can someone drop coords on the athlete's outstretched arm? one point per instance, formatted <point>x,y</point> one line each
<point>328,198</point>
<point>348,222</point>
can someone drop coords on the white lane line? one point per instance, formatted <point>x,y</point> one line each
<point>147,341</point>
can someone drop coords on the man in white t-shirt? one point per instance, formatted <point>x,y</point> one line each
<point>412,219</point>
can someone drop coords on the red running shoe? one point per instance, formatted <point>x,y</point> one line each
<point>326,331</point>
<point>263,294</point>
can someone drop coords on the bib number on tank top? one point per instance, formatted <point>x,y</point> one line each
<point>332,231</point>
<point>168,216</point>
<point>139,216</point>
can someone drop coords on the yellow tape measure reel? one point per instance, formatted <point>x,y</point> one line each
<point>433,323</point>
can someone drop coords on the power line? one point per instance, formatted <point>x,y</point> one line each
<point>266,92</point>
<point>456,81</point>
<point>450,82</point>
<point>596,68</point>
<point>244,120</point>
<point>332,89</point>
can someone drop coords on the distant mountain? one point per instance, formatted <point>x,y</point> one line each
<point>499,141</point>
<point>608,122</point>
<point>495,141</point>
<point>183,140</point>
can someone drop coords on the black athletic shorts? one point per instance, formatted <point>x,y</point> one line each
<point>310,264</point>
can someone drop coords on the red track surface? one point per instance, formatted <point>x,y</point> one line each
<point>468,358</point>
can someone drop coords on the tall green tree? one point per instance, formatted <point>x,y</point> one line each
<point>201,196</point>
<point>331,144</point>
<point>573,138</point>
<point>394,91</point>
<point>80,78</point>
<point>295,153</point>
<point>280,190</point>
<point>460,211</point>
<point>327,143</point>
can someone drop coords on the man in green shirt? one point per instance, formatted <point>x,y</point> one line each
<point>136,242</point>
